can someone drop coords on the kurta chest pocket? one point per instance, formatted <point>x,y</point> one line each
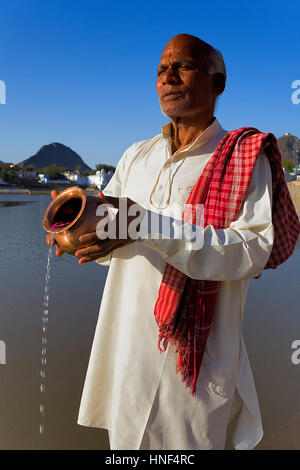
<point>184,192</point>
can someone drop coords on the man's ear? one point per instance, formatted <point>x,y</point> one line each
<point>219,82</point>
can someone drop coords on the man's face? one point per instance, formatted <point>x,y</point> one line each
<point>184,87</point>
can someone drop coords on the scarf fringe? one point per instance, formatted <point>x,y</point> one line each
<point>186,365</point>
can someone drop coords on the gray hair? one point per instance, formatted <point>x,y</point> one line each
<point>217,64</point>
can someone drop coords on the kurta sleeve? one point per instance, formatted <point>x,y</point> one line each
<point>114,188</point>
<point>237,252</point>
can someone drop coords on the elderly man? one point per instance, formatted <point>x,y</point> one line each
<point>182,395</point>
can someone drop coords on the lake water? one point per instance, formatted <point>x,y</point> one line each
<point>271,324</point>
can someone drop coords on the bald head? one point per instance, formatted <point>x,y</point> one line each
<point>208,56</point>
<point>191,75</point>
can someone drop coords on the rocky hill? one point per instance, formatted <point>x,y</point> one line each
<point>58,154</point>
<point>289,146</point>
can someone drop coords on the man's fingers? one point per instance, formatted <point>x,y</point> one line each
<point>90,250</point>
<point>89,237</point>
<point>114,201</point>
<point>97,251</point>
<point>54,194</point>
<point>92,253</point>
<point>48,239</point>
<point>94,257</point>
<point>87,259</point>
<point>59,251</point>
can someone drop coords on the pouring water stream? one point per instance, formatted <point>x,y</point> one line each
<point>45,316</point>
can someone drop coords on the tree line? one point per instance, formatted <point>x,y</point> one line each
<point>9,175</point>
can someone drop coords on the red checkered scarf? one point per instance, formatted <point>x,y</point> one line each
<point>184,308</point>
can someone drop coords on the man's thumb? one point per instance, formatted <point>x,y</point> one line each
<point>114,201</point>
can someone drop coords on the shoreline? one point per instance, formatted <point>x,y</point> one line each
<point>294,189</point>
<point>293,186</point>
<point>32,191</point>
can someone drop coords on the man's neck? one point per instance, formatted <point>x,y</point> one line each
<point>184,131</point>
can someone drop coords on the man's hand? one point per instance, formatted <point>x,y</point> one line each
<point>59,251</point>
<point>100,248</point>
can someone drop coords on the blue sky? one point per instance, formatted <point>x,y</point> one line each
<point>83,72</point>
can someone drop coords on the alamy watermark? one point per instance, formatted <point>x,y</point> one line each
<point>296,94</point>
<point>2,92</point>
<point>296,354</point>
<point>136,223</point>
<point>2,352</point>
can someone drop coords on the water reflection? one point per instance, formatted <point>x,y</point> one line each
<point>14,203</point>
<point>73,311</point>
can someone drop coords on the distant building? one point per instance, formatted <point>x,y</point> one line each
<point>79,179</point>
<point>7,165</point>
<point>61,181</point>
<point>100,179</point>
<point>67,174</point>
<point>43,178</point>
<point>94,179</point>
<point>28,174</point>
<point>289,176</point>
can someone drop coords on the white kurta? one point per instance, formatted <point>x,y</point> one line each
<point>131,388</point>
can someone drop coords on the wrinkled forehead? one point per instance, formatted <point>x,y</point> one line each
<point>184,49</point>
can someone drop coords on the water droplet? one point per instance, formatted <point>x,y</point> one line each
<point>43,373</point>
<point>44,340</point>
<point>42,410</point>
<point>45,320</point>
<point>45,312</point>
<point>43,361</point>
<point>42,388</point>
<point>44,328</point>
<point>44,351</point>
<point>42,428</point>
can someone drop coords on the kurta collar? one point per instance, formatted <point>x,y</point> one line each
<point>210,133</point>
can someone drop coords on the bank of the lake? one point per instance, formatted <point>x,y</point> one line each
<point>36,189</point>
<point>294,188</point>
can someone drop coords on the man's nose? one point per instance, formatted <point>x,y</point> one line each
<point>171,75</point>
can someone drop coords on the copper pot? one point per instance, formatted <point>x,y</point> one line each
<point>74,207</point>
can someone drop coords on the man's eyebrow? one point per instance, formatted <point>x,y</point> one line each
<point>178,62</point>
